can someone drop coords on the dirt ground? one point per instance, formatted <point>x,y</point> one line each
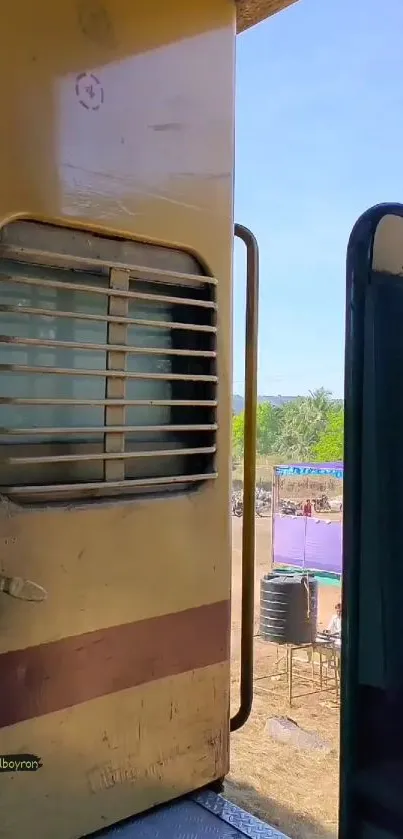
<point>294,790</point>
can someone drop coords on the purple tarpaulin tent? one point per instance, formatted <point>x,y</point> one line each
<point>301,542</point>
<point>308,543</point>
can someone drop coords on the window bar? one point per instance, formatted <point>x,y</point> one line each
<point>77,345</point>
<point>114,470</point>
<point>61,313</point>
<point>82,287</point>
<point>139,272</point>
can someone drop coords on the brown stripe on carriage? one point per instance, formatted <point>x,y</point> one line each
<point>49,677</point>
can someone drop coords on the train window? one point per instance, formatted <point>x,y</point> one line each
<point>107,366</point>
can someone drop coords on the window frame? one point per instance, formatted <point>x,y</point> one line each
<point>77,251</point>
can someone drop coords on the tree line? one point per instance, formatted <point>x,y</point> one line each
<point>308,428</point>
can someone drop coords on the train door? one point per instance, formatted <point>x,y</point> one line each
<point>116,238</point>
<point>372,710</point>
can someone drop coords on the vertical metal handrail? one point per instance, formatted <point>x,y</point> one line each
<point>249,477</point>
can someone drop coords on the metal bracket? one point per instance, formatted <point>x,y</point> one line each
<point>22,589</point>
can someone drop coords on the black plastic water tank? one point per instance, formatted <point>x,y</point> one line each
<point>288,608</point>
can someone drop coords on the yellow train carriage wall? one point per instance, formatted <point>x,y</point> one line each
<point>116,210</point>
<point>116,214</point>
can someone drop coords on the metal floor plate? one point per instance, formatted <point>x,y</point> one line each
<point>204,815</point>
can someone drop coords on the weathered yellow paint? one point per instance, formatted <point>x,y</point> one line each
<point>109,564</point>
<point>117,755</point>
<point>154,163</point>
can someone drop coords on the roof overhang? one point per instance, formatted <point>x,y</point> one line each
<point>250,12</point>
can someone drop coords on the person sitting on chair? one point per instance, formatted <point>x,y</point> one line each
<point>334,628</point>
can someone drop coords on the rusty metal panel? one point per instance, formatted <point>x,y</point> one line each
<point>251,12</point>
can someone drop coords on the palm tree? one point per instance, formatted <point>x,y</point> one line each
<point>303,421</point>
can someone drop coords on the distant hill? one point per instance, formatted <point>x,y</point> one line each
<point>238,402</point>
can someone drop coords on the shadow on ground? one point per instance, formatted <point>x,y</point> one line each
<point>294,825</point>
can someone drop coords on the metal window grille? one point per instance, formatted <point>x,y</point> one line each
<point>107,367</point>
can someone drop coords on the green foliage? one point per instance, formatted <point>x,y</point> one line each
<point>266,432</point>
<point>267,428</point>
<point>331,441</point>
<point>238,424</point>
<point>310,427</point>
<point>302,423</point>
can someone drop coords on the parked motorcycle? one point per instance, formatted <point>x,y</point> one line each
<point>262,503</point>
<point>289,508</point>
<point>321,504</point>
<point>237,504</point>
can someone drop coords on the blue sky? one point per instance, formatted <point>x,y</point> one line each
<point>319,139</point>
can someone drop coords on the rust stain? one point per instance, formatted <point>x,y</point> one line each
<point>129,771</point>
<point>8,508</point>
<point>50,677</point>
<point>167,126</point>
<point>95,23</point>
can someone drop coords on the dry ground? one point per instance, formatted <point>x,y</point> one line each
<point>297,791</point>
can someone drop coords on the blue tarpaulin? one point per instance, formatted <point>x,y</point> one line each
<point>334,470</point>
